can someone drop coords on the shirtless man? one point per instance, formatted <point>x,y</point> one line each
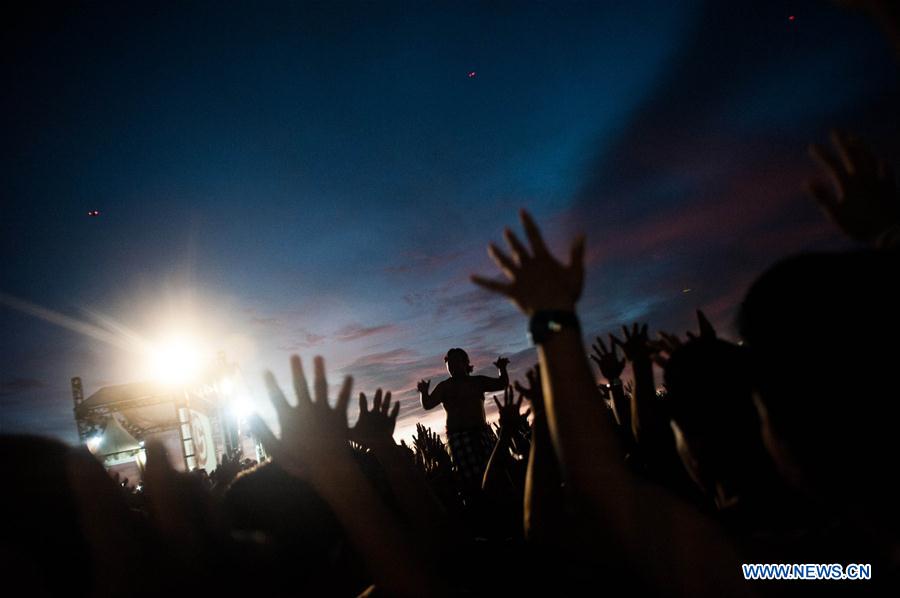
<point>469,436</point>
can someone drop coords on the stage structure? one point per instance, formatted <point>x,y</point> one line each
<point>197,422</point>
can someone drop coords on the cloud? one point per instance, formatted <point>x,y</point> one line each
<point>356,331</point>
<point>306,340</point>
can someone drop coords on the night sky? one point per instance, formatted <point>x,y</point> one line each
<point>322,178</point>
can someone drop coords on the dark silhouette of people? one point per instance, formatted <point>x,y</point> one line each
<point>469,436</point>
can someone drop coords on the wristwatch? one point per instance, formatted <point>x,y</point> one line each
<point>544,324</point>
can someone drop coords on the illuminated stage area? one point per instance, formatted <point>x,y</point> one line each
<point>194,412</point>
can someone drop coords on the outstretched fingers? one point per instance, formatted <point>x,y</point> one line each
<point>496,286</point>
<point>395,411</point>
<point>533,233</point>
<point>363,403</point>
<point>276,397</point>
<point>830,164</point>
<point>301,388</point>
<point>343,398</point>
<point>503,261</point>
<point>320,382</point>
<point>519,251</point>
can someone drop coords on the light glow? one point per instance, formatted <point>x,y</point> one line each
<point>176,360</point>
<point>241,409</point>
<point>93,443</point>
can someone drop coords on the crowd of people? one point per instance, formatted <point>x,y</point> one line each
<point>775,449</point>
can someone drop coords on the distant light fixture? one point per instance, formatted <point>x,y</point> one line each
<point>94,442</point>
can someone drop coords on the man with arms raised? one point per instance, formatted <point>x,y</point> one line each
<point>470,437</point>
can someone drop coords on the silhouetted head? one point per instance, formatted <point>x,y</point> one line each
<point>457,362</point>
<point>717,429</point>
<point>816,328</point>
<point>47,551</point>
<point>291,533</point>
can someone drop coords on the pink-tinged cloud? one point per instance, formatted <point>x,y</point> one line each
<point>353,332</point>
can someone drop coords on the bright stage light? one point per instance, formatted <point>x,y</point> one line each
<point>93,443</point>
<point>241,409</point>
<point>176,360</point>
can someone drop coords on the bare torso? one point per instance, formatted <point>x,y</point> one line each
<point>463,400</point>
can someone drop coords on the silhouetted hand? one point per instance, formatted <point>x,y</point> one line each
<point>313,435</point>
<point>423,385</point>
<point>864,201</point>
<point>607,359</point>
<point>537,281</point>
<point>501,363</point>
<point>375,428</point>
<point>664,347</point>
<point>533,392</point>
<point>510,418</point>
<point>431,452</point>
<point>636,345</point>
<point>707,331</point>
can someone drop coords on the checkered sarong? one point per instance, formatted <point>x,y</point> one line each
<point>471,450</point>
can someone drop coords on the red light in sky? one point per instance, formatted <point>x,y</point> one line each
<point>471,74</point>
<point>791,18</point>
<point>93,212</point>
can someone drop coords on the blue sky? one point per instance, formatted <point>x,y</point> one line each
<point>322,178</point>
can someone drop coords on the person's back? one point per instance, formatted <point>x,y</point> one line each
<point>463,400</point>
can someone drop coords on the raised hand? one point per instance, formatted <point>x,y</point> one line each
<point>636,346</point>
<point>423,385</point>
<point>533,392</point>
<point>375,428</point>
<point>607,359</point>
<point>537,281</point>
<point>313,435</point>
<point>509,410</point>
<point>706,328</point>
<point>430,449</point>
<point>863,200</point>
<point>664,347</point>
<point>501,363</point>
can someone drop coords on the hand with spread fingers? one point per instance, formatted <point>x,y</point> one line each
<point>313,435</point>
<point>636,345</point>
<point>533,392</point>
<point>863,199</point>
<point>375,428</point>
<point>536,280</point>
<point>607,360</point>
<point>509,410</point>
<point>664,347</point>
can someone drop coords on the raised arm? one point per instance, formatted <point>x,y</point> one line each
<point>543,504</point>
<point>498,384</point>
<point>497,470</point>
<point>429,401</point>
<point>375,430</point>
<point>644,525</point>
<point>863,200</point>
<point>314,446</point>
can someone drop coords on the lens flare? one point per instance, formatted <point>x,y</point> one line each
<point>177,360</point>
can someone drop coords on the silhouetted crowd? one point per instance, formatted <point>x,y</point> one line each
<point>776,449</point>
